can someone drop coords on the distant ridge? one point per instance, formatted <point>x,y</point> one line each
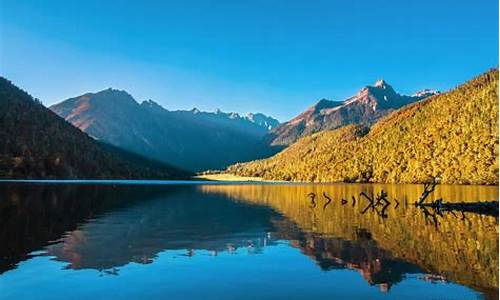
<point>367,106</point>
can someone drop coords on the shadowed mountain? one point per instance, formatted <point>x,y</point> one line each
<point>263,120</point>
<point>371,103</point>
<point>36,143</point>
<point>191,139</point>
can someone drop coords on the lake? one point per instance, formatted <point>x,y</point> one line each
<point>134,240</point>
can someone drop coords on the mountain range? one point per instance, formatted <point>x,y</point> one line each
<point>450,137</point>
<point>377,135</point>
<point>36,143</point>
<point>192,140</point>
<point>197,141</point>
<point>368,105</point>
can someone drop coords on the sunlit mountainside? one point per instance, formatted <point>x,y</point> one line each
<point>452,137</point>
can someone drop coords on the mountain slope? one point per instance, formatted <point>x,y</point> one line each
<point>452,137</point>
<point>192,139</point>
<point>370,104</point>
<point>36,143</point>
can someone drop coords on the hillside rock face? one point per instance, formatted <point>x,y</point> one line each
<point>367,106</point>
<point>193,140</point>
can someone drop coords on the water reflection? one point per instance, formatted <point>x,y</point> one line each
<point>106,227</point>
<point>376,265</point>
<point>461,250</point>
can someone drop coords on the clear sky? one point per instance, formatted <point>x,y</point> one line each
<point>275,57</point>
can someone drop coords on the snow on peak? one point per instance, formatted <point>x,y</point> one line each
<point>426,93</point>
<point>381,84</point>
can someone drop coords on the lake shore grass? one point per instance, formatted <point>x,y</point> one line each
<point>230,177</point>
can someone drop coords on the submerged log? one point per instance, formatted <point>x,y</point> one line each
<point>489,208</point>
<point>428,189</point>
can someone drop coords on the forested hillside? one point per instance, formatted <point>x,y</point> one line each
<point>452,137</point>
<point>36,143</point>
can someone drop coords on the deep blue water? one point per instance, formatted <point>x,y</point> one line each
<point>114,240</point>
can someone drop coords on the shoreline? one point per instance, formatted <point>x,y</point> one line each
<point>224,178</point>
<point>232,178</point>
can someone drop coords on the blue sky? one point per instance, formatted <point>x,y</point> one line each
<point>275,57</point>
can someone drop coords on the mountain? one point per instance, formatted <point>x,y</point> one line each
<point>36,143</point>
<point>367,106</point>
<point>263,120</point>
<point>189,139</point>
<point>452,137</point>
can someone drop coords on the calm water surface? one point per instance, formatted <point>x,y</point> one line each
<point>241,241</point>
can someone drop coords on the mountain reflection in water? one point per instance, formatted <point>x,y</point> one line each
<point>102,227</point>
<point>107,227</point>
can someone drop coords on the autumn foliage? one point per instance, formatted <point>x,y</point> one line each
<point>451,137</point>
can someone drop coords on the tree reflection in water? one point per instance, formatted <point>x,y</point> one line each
<point>105,227</point>
<point>460,250</point>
